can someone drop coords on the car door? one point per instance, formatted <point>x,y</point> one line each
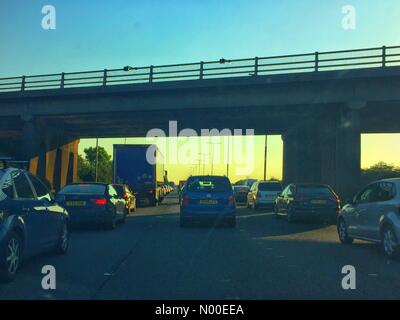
<point>31,213</point>
<point>52,213</point>
<point>359,212</point>
<point>380,204</point>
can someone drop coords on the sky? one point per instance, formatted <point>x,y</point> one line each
<point>98,34</point>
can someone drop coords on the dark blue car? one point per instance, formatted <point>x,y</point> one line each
<point>208,199</point>
<point>30,221</point>
<point>91,204</point>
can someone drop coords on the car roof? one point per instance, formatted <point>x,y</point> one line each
<point>266,181</point>
<point>315,185</point>
<point>394,180</point>
<point>85,183</point>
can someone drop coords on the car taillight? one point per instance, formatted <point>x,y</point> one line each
<point>125,196</point>
<point>150,191</point>
<point>243,191</point>
<point>101,202</point>
<point>185,200</point>
<point>231,201</point>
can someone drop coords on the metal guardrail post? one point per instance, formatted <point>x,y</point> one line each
<point>201,70</point>
<point>151,73</point>
<point>105,77</point>
<point>23,82</point>
<point>256,66</point>
<point>384,56</point>
<point>62,80</point>
<point>316,61</point>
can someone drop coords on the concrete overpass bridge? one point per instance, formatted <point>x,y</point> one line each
<point>319,102</point>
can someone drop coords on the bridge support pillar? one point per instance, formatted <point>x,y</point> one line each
<point>301,156</point>
<point>52,155</point>
<point>348,153</point>
<point>328,153</point>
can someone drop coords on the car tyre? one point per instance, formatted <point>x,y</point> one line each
<point>63,242</point>
<point>342,232</point>
<point>390,243</point>
<point>9,263</point>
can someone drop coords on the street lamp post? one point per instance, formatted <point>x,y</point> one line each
<point>265,157</point>
<point>97,160</point>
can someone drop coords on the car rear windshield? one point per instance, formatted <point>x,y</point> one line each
<point>315,191</point>
<point>208,184</point>
<point>97,189</point>
<point>270,186</point>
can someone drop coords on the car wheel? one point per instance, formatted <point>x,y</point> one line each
<point>342,232</point>
<point>63,242</point>
<point>9,264</point>
<point>389,243</point>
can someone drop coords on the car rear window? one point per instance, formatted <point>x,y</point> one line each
<point>97,189</point>
<point>270,186</point>
<point>208,184</point>
<point>314,191</point>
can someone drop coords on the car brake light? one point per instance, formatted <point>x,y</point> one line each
<point>243,191</point>
<point>100,202</point>
<point>185,200</point>
<point>150,191</point>
<point>125,196</point>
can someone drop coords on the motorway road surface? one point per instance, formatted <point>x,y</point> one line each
<point>151,257</point>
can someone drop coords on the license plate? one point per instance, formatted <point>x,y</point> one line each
<point>76,203</point>
<point>208,201</point>
<point>318,201</point>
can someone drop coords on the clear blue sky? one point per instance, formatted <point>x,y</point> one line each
<point>94,34</point>
<point>98,34</point>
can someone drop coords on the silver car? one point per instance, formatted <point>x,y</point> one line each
<point>373,215</point>
<point>263,194</point>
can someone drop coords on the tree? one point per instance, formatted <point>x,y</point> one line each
<point>378,171</point>
<point>87,166</point>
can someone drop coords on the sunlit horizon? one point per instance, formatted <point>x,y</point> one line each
<point>375,148</point>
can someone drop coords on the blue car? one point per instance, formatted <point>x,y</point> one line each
<point>30,221</point>
<point>208,199</point>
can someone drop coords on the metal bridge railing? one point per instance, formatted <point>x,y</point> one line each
<point>309,62</point>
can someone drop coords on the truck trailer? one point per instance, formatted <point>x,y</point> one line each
<point>141,167</point>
